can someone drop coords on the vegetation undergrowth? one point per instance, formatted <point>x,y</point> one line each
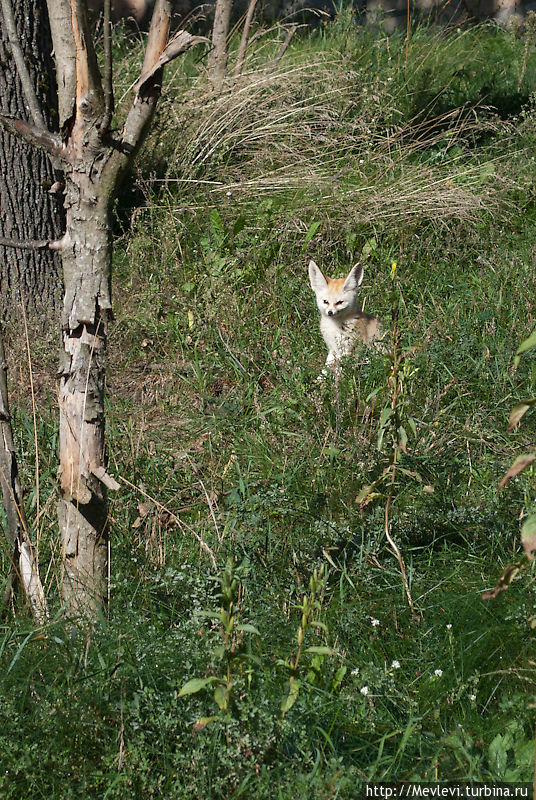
<point>259,641</point>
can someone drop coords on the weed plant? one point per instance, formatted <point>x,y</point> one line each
<point>259,641</point>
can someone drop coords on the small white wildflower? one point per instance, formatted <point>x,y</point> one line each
<point>355,671</point>
<point>228,194</point>
<point>395,664</point>
<point>438,672</point>
<point>449,626</point>
<point>374,622</point>
<point>472,697</point>
<point>364,690</point>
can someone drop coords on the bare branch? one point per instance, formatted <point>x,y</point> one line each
<point>244,41</point>
<point>59,16</point>
<point>89,92</point>
<point>22,69</point>
<point>147,90</point>
<point>108,69</point>
<point>24,245</point>
<point>158,34</point>
<point>288,38</point>
<point>181,42</point>
<point>39,137</point>
<point>43,244</point>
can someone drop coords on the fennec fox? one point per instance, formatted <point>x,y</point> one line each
<point>341,321</point>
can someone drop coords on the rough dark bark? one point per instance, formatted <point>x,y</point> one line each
<point>28,209</point>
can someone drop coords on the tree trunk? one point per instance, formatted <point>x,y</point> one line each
<point>94,158</point>
<point>28,209</point>
<point>217,62</point>
<point>96,166</point>
<point>82,508</point>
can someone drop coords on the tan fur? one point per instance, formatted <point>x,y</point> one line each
<point>342,322</point>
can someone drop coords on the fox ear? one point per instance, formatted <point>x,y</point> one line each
<point>354,279</point>
<point>317,277</point>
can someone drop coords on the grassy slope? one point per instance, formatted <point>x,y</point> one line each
<point>216,414</point>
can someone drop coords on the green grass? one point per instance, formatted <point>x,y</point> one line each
<point>226,441</point>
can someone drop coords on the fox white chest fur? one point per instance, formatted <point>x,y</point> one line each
<point>341,320</point>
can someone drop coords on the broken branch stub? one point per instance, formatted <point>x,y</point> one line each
<point>180,43</point>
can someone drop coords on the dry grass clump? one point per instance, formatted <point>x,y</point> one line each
<point>317,135</point>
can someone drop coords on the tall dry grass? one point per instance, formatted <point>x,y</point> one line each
<point>316,136</point>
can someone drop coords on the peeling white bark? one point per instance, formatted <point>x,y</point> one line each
<point>32,583</point>
<point>94,165</point>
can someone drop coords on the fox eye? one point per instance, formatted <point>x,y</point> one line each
<point>338,303</point>
<point>326,302</point>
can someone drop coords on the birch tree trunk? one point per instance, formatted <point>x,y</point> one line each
<point>95,160</point>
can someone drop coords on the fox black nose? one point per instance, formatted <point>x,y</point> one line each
<point>330,313</point>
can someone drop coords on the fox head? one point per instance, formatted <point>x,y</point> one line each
<point>335,295</point>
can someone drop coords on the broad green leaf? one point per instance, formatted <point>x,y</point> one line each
<point>385,415</point>
<point>247,628</point>
<point>339,676</point>
<point>320,651</point>
<point>380,438</point>
<point>291,696</point>
<point>486,170</point>
<point>317,624</point>
<point>369,498</point>
<point>221,697</point>
<point>528,344</point>
<point>219,652</point>
<point>250,657</point>
<point>311,232</point>
<point>216,223</point>
<point>210,615</point>
<point>202,723</point>
<point>411,474</point>
<point>363,494</point>
<point>369,246</point>
<point>498,753</point>
<point>239,225</point>
<point>283,662</point>
<point>528,536</point>
<point>196,684</point>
